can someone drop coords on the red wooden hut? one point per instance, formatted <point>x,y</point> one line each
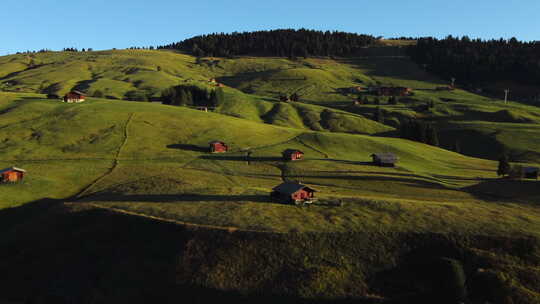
<point>393,91</point>
<point>218,147</point>
<point>292,192</point>
<point>74,96</point>
<point>291,154</point>
<point>12,175</point>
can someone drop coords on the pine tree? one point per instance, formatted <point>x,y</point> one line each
<point>379,115</point>
<point>457,146</point>
<point>180,98</point>
<point>220,96</point>
<point>213,99</point>
<point>504,165</point>
<point>432,137</point>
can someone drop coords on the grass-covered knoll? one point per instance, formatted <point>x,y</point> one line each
<point>140,172</point>
<point>152,159</point>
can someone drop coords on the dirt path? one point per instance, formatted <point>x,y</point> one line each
<point>84,191</point>
<point>176,222</point>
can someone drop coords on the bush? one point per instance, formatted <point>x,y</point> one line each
<point>98,94</point>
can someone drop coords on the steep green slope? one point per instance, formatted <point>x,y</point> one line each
<point>138,173</point>
<point>255,83</point>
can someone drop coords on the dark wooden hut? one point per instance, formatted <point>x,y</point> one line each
<point>293,193</point>
<point>384,159</point>
<point>218,147</point>
<point>12,175</point>
<point>292,154</point>
<point>74,97</point>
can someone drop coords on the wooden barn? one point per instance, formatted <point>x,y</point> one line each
<point>12,175</point>
<point>524,172</point>
<point>293,193</point>
<point>384,159</point>
<point>393,91</point>
<point>74,97</point>
<point>531,172</point>
<point>292,154</point>
<point>218,147</point>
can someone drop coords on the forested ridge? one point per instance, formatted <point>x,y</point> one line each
<point>281,43</point>
<point>479,61</point>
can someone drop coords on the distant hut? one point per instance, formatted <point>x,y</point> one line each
<point>218,147</point>
<point>74,97</point>
<point>292,154</point>
<point>12,175</point>
<point>531,172</point>
<point>393,91</point>
<point>524,172</point>
<point>293,193</point>
<point>384,159</point>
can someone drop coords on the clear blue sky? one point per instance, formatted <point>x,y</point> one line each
<point>104,24</point>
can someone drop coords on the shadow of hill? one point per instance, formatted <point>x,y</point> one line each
<point>189,147</point>
<point>241,158</point>
<point>98,256</point>
<point>172,198</point>
<point>504,189</point>
<point>13,216</point>
<point>409,181</point>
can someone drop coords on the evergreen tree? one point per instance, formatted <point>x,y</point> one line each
<point>220,96</point>
<point>213,99</point>
<point>189,98</point>
<point>457,146</point>
<point>432,138</point>
<point>182,98</point>
<point>504,165</point>
<point>379,115</point>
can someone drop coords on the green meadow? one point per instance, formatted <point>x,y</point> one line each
<point>151,161</point>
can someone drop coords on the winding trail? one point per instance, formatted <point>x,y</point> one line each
<point>176,222</point>
<point>82,193</point>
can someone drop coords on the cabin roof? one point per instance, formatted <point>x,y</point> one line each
<point>12,169</point>
<point>385,157</point>
<point>291,187</point>
<point>214,142</point>
<point>291,151</point>
<point>78,92</point>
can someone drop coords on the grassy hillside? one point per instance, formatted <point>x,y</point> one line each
<point>152,159</point>
<point>255,83</point>
<point>142,165</point>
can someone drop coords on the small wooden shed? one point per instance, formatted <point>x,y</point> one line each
<point>294,193</point>
<point>12,175</point>
<point>384,159</point>
<point>74,97</point>
<point>292,154</point>
<point>218,147</point>
<point>531,172</point>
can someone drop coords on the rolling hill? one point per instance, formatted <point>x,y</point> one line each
<point>129,176</point>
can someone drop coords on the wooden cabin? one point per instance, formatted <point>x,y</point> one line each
<point>292,154</point>
<point>518,171</point>
<point>74,97</point>
<point>531,172</point>
<point>384,159</point>
<point>393,91</point>
<point>12,175</point>
<point>293,193</point>
<point>218,147</point>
